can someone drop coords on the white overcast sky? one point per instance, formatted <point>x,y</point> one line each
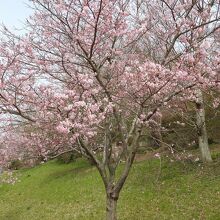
<point>14,12</point>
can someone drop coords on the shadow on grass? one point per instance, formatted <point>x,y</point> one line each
<point>73,172</point>
<point>80,168</point>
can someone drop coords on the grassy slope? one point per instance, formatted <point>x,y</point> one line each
<point>75,191</point>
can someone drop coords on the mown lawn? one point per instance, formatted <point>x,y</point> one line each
<point>54,191</point>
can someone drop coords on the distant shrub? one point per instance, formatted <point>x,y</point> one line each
<point>216,155</point>
<point>67,157</point>
<point>212,141</point>
<point>91,162</point>
<point>16,165</point>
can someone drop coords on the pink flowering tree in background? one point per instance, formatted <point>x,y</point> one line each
<point>182,37</point>
<point>28,105</point>
<point>78,80</point>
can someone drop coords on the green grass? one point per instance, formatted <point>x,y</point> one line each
<point>56,191</point>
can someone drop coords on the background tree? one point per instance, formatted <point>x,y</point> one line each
<point>177,35</point>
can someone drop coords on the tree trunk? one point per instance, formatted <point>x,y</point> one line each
<point>111,206</point>
<point>201,126</point>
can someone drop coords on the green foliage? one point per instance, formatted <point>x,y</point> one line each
<point>216,155</point>
<point>170,190</point>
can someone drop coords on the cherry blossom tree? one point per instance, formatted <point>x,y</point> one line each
<point>182,36</point>
<point>80,82</point>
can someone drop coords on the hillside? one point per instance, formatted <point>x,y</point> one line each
<point>154,190</point>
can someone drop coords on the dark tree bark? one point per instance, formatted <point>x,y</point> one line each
<point>111,207</point>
